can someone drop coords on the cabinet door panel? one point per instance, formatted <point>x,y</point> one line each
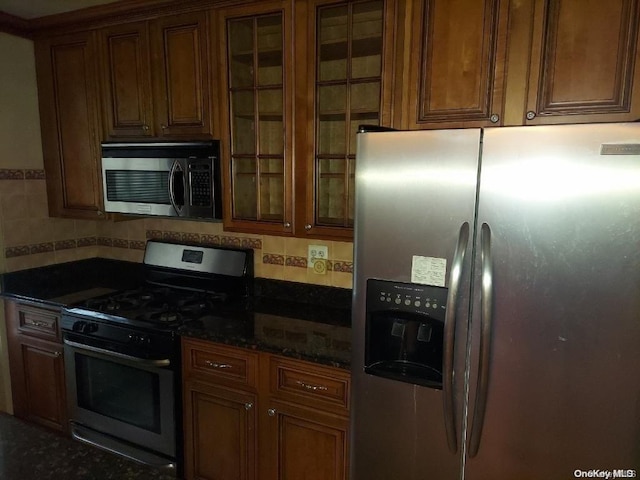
<point>458,57</point>
<point>345,82</point>
<point>67,84</point>
<point>182,74</point>
<point>127,95</point>
<point>584,63</point>
<point>220,434</point>
<point>257,118</point>
<point>308,444</point>
<point>43,369</point>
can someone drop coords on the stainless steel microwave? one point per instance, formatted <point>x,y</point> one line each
<point>179,179</point>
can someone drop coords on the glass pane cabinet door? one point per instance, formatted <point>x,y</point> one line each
<point>257,121</point>
<point>348,94</point>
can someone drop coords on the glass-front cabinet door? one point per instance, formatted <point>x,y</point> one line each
<point>258,119</point>
<point>351,83</point>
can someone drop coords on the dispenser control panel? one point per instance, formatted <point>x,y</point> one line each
<point>406,297</point>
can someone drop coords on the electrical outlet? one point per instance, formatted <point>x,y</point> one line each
<point>318,254</point>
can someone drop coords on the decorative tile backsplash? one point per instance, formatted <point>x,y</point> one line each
<point>30,238</point>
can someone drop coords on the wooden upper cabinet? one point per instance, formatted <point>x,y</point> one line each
<point>126,75</point>
<point>69,116</point>
<point>456,63</point>
<point>584,62</point>
<point>257,116</point>
<point>180,67</point>
<point>344,81</point>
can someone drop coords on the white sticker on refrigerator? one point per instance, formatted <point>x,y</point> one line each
<point>428,270</point>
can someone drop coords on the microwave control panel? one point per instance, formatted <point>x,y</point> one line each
<point>201,184</point>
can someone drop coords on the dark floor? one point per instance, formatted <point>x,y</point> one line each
<point>28,452</point>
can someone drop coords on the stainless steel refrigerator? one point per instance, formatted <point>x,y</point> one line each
<point>496,308</point>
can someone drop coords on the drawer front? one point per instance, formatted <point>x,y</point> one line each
<point>212,362</point>
<point>37,322</point>
<point>302,382</point>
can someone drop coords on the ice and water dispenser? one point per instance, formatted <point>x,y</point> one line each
<point>404,331</point>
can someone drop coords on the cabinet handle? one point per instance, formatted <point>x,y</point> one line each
<point>145,127</point>
<point>307,227</point>
<point>308,386</point>
<point>100,213</point>
<point>271,412</point>
<point>211,364</point>
<point>164,127</point>
<point>248,406</point>
<point>495,118</point>
<point>287,224</point>
<point>531,115</point>
<point>57,354</point>
<point>36,323</point>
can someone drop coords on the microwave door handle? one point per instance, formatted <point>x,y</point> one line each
<point>172,192</point>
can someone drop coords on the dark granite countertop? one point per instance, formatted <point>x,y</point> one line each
<point>302,321</point>
<point>28,452</point>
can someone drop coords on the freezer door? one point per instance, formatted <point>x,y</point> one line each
<point>415,196</point>
<point>559,208</point>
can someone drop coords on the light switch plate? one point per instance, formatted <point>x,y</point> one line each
<point>317,252</point>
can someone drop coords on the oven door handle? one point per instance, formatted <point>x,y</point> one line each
<point>163,362</point>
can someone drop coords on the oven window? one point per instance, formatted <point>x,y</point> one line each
<point>118,391</point>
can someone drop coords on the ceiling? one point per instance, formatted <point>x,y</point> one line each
<point>29,9</point>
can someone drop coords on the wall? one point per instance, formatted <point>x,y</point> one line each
<point>30,238</point>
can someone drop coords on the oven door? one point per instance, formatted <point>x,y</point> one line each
<point>123,397</point>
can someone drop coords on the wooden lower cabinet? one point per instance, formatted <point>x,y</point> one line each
<point>306,444</point>
<point>220,433</point>
<point>250,415</point>
<point>36,365</point>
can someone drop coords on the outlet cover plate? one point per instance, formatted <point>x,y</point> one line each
<point>317,252</point>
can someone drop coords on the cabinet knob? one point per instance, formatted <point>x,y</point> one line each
<point>272,412</point>
<point>531,115</point>
<point>248,406</point>
<point>307,227</point>
<point>495,118</point>
<point>145,127</point>
<point>287,224</point>
<point>57,354</point>
<point>164,127</point>
<point>100,213</point>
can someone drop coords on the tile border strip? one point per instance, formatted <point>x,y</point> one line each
<point>22,174</point>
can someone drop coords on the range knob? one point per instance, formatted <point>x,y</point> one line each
<point>139,339</point>
<point>82,326</point>
<point>79,326</point>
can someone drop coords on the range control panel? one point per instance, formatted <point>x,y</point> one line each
<point>406,297</point>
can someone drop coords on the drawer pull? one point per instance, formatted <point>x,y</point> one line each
<point>36,323</point>
<point>211,364</point>
<point>313,388</point>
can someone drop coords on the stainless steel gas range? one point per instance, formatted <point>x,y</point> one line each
<point>122,352</point>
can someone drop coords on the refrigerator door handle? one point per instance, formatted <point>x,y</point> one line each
<point>449,337</point>
<point>486,307</point>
